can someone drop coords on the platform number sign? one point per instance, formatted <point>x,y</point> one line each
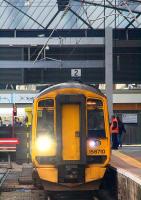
<point>75,73</point>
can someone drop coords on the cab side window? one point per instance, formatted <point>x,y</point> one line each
<point>45,118</point>
<point>95,119</point>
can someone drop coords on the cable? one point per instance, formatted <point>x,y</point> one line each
<point>65,11</point>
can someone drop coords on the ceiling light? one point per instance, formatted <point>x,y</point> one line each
<point>27,2</point>
<point>47,47</point>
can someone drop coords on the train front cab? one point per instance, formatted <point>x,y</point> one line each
<point>70,140</point>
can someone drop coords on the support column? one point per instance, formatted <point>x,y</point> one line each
<point>9,161</point>
<point>109,68</point>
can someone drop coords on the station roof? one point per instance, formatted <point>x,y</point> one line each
<point>69,14</point>
<point>23,20</point>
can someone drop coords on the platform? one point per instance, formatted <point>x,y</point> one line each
<point>132,150</point>
<point>126,163</point>
<point>128,159</point>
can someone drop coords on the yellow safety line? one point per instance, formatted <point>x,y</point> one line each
<point>131,145</point>
<point>127,159</point>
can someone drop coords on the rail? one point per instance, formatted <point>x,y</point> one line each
<point>3,176</point>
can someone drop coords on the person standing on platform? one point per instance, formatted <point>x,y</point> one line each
<point>1,123</point>
<point>121,130</point>
<point>114,129</point>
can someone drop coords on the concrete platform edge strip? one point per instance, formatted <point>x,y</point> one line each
<point>127,174</point>
<point>131,145</point>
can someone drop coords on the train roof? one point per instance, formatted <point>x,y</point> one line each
<point>71,85</point>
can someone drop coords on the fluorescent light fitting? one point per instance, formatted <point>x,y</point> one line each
<point>41,35</point>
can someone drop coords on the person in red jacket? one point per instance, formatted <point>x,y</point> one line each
<point>114,129</point>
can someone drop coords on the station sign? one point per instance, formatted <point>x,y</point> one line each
<point>130,118</point>
<point>24,98</point>
<point>17,98</point>
<point>5,98</point>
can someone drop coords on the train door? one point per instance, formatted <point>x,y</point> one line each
<point>71,132</point>
<point>71,128</point>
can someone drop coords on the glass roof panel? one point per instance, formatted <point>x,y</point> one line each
<point>36,14</point>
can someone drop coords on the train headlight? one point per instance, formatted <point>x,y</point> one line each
<point>94,143</point>
<point>44,143</point>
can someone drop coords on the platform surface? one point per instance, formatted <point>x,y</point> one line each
<point>128,161</point>
<point>132,151</point>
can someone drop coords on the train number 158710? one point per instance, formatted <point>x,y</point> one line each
<point>97,151</point>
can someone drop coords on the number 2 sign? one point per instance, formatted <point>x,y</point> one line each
<point>75,72</point>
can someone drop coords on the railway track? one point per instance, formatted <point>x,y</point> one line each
<point>10,188</point>
<point>97,195</point>
<point>69,196</point>
<point>3,175</point>
<point>42,195</point>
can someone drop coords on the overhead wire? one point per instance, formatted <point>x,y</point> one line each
<point>98,19</point>
<point>121,13</point>
<point>78,41</point>
<point>123,20</point>
<point>71,27</point>
<point>42,23</point>
<point>72,51</point>
<point>46,43</point>
<point>96,7</point>
<point>130,11</point>
<point>53,1</point>
<point>112,13</point>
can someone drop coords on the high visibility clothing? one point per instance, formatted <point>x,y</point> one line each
<point>114,129</point>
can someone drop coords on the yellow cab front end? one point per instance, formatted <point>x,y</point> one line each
<point>70,138</point>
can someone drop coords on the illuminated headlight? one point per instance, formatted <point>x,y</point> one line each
<point>94,143</point>
<point>44,143</point>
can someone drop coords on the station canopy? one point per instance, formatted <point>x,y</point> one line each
<point>69,14</point>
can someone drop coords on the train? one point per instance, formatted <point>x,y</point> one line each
<point>70,137</point>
